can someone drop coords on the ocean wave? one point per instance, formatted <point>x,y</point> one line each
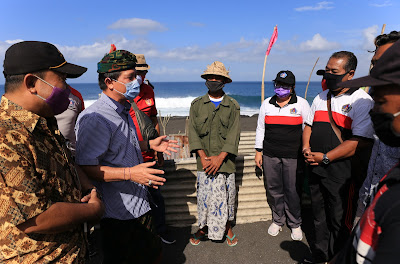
<point>180,106</point>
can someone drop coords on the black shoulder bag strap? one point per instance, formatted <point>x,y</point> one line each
<point>333,124</point>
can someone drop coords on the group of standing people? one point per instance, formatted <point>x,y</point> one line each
<point>102,167</point>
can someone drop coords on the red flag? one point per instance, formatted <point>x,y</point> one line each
<point>274,37</point>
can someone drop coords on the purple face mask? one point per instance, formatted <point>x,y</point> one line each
<point>58,99</point>
<point>282,92</point>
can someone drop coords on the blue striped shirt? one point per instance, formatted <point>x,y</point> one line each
<point>106,136</point>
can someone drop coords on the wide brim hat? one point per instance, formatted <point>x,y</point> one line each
<point>386,70</point>
<point>33,56</point>
<point>141,64</point>
<point>217,68</point>
<point>286,77</point>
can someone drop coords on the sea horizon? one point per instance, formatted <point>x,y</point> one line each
<point>174,98</point>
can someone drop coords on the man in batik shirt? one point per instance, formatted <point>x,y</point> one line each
<point>42,209</point>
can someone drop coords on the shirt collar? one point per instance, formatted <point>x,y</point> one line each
<point>292,100</point>
<point>224,102</point>
<point>117,106</point>
<point>25,117</point>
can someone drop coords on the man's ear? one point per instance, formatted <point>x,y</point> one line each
<point>351,75</point>
<point>30,82</point>
<point>109,83</point>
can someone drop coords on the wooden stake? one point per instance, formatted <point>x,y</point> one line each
<point>305,95</point>
<point>370,66</point>
<point>263,77</point>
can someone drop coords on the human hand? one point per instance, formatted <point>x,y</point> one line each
<point>214,164</point>
<point>315,158</point>
<point>144,175</point>
<point>161,144</point>
<point>258,159</point>
<point>94,200</point>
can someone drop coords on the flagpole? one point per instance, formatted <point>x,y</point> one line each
<point>305,95</point>
<point>273,39</point>
<point>263,77</point>
<point>370,66</point>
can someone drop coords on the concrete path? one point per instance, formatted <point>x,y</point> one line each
<point>254,246</point>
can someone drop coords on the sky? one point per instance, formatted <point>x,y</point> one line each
<point>180,38</point>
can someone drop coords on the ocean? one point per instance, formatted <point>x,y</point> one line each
<point>174,98</point>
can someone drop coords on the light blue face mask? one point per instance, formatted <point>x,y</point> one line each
<point>132,89</point>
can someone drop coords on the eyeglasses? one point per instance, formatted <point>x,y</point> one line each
<point>282,85</point>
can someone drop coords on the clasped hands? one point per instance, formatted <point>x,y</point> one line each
<point>312,158</point>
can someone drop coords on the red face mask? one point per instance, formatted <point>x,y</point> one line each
<point>323,84</point>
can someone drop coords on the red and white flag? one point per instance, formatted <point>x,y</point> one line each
<point>274,37</point>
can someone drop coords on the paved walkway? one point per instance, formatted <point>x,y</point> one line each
<point>254,246</point>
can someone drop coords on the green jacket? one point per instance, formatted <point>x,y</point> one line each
<point>215,130</point>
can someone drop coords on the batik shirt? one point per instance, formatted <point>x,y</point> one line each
<point>36,172</point>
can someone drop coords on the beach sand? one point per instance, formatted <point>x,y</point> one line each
<point>176,124</point>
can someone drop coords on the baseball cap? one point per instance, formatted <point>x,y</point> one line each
<point>285,77</point>
<point>386,70</point>
<point>32,56</point>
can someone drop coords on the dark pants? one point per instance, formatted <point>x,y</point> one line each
<point>158,210</point>
<point>280,181</point>
<point>130,241</point>
<point>331,206</point>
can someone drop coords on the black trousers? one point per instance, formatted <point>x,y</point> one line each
<point>331,201</point>
<point>130,241</point>
<point>158,210</point>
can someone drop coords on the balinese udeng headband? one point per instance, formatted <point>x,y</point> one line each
<point>119,60</point>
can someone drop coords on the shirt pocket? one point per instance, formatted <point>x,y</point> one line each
<point>224,124</point>
<point>201,126</point>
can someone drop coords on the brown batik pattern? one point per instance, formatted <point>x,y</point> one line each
<point>35,172</point>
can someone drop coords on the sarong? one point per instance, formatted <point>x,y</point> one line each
<point>215,202</point>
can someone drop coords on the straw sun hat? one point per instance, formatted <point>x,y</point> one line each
<point>141,64</point>
<point>216,68</point>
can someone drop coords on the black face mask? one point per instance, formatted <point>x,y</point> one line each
<point>214,86</point>
<point>383,126</point>
<point>332,80</point>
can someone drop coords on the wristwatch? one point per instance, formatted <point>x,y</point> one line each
<point>325,160</point>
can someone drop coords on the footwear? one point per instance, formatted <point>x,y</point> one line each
<point>165,238</point>
<point>197,239</point>
<point>297,234</point>
<point>231,239</point>
<point>274,229</point>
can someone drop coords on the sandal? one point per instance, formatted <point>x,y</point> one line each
<point>231,239</point>
<point>200,238</point>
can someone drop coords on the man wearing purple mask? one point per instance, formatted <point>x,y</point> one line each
<point>44,200</point>
<point>278,143</point>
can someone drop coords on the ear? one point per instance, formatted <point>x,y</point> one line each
<point>30,82</point>
<point>351,75</point>
<point>109,83</point>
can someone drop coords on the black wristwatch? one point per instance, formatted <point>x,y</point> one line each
<point>325,160</point>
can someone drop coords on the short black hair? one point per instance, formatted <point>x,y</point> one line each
<point>13,81</point>
<point>383,39</point>
<point>112,75</point>
<point>351,63</point>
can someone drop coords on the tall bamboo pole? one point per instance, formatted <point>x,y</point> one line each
<point>370,66</point>
<point>263,76</point>
<point>309,78</point>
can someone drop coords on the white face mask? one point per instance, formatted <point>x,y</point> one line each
<point>132,89</point>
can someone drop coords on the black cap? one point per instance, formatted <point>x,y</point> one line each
<point>285,77</point>
<point>386,70</point>
<point>33,56</point>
